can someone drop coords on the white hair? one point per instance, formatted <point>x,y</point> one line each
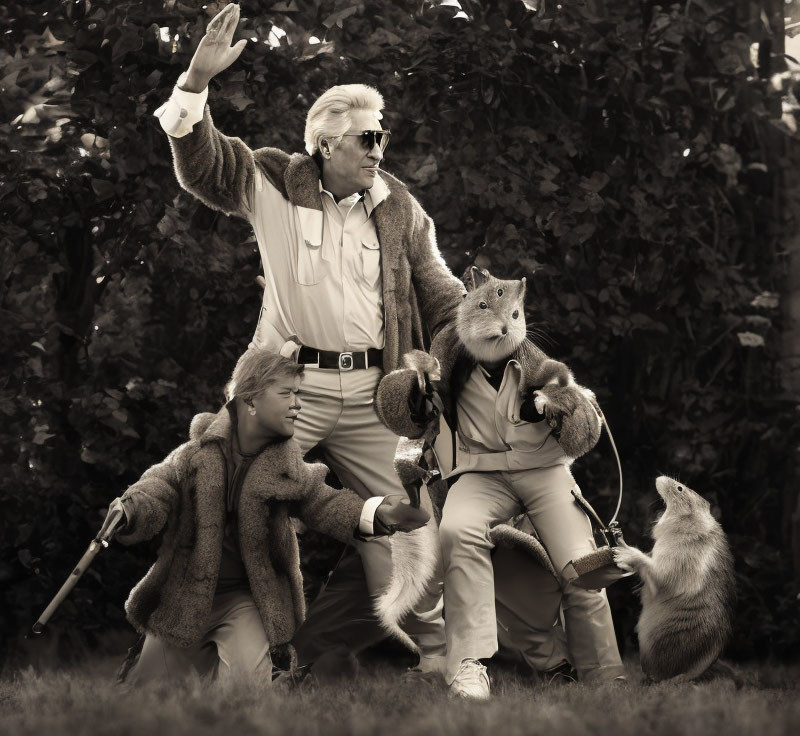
<point>329,116</point>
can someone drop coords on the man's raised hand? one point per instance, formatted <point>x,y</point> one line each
<point>214,53</point>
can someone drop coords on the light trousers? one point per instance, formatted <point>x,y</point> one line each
<point>475,502</point>
<point>527,603</point>
<point>337,415</point>
<point>234,645</point>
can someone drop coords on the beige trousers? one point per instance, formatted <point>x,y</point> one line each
<point>337,415</point>
<point>474,503</point>
<point>233,645</point>
<point>527,602</point>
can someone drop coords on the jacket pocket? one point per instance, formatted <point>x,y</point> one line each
<point>310,267</point>
<point>370,261</point>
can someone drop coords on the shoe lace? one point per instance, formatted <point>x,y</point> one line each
<point>471,671</point>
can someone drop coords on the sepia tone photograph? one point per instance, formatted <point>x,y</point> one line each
<point>407,366</point>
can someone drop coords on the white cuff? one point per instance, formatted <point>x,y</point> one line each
<point>182,111</point>
<point>367,520</point>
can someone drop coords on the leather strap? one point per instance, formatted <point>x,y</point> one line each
<point>340,361</point>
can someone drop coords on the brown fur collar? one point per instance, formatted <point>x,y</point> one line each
<point>297,177</point>
<point>397,218</point>
<point>419,293</point>
<point>209,428</point>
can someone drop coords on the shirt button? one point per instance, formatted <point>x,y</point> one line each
<point>184,113</point>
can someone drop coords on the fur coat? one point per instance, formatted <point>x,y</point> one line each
<point>420,294</point>
<point>185,497</point>
<point>580,424</point>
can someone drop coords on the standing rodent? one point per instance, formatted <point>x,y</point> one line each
<point>688,587</point>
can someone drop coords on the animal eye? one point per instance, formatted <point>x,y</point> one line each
<point>515,314</point>
<point>679,489</point>
<point>499,292</point>
<point>483,305</point>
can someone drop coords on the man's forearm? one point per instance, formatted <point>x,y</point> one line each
<point>216,169</point>
<point>193,82</point>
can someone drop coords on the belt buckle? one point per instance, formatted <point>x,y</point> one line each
<point>345,361</point>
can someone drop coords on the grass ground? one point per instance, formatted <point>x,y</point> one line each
<point>83,700</point>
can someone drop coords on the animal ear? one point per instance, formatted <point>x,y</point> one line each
<point>523,285</point>
<point>475,277</point>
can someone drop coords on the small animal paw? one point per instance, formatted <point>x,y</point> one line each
<point>540,401</point>
<point>425,366</point>
<point>626,557</point>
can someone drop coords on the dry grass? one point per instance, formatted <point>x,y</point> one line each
<point>84,700</point>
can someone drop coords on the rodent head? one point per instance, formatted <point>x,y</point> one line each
<point>491,319</point>
<point>681,502</point>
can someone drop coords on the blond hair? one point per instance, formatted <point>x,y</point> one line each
<point>256,371</point>
<point>329,116</point>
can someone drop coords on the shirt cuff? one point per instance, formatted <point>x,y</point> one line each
<point>182,111</point>
<point>367,520</point>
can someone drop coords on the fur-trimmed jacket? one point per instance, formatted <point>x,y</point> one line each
<point>420,294</point>
<point>185,497</point>
<point>574,406</point>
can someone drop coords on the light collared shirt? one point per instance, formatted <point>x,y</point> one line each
<point>491,433</point>
<point>322,267</point>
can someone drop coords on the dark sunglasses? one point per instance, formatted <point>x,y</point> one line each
<point>370,137</point>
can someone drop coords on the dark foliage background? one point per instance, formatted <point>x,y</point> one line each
<point>620,154</point>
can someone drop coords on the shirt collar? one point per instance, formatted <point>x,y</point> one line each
<point>509,362</point>
<point>376,194</point>
<point>372,196</point>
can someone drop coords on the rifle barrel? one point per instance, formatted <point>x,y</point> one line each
<point>69,584</point>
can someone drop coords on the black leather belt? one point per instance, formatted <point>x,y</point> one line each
<point>340,361</point>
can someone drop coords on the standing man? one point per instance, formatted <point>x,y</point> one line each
<point>354,280</point>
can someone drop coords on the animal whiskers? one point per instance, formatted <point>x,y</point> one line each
<point>536,334</point>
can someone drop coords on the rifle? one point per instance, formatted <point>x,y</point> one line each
<point>116,514</point>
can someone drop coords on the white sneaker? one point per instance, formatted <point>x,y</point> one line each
<point>471,681</point>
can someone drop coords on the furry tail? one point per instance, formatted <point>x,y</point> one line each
<point>415,557</point>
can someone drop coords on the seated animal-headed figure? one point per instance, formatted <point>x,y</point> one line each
<point>513,421</point>
<point>541,410</point>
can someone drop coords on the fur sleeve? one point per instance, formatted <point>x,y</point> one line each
<point>150,501</point>
<point>438,291</point>
<point>216,169</point>
<point>325,509</point>
<point>392,403</point>
<point>396,389</point>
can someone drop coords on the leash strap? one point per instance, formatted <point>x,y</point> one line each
<point>611,532</point>
<point>604,421</point>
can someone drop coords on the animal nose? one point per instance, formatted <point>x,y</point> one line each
<point>504,330</point>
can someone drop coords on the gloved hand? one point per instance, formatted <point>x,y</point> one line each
<point>396,514</point>
<point>115,520</point>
